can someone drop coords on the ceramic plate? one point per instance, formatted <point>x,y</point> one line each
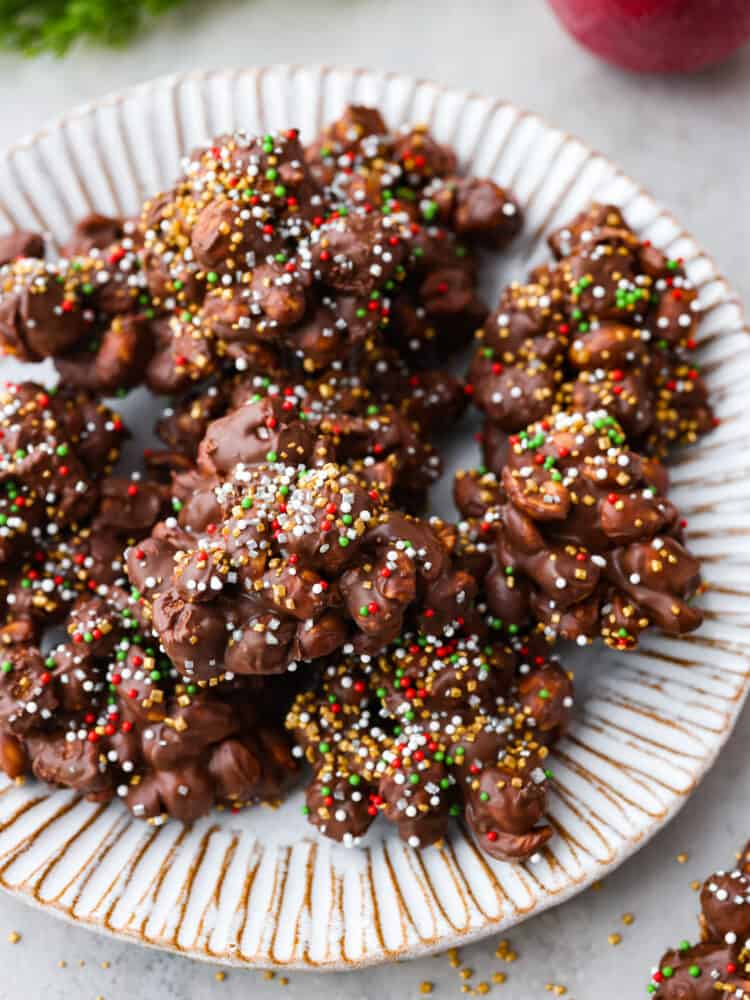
<point>261,888</point>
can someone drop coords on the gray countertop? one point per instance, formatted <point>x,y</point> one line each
<point>685,138</point>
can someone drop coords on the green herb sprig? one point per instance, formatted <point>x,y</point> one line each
<point>54,25</point>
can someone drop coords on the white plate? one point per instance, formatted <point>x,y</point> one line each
<point>260,887</point>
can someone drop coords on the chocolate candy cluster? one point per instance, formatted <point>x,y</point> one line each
<point>578,536</point>
<point>267,256</point>
<point>106,713</point>
<point>296,562</point>
<point>720,964</point>
<point>266,590</point>
<point>611,325</point>
<point>64,518</point>
<point>443,723</point>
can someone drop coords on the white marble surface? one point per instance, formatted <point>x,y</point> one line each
<point>687,139</point>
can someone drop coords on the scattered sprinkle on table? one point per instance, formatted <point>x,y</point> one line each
<point>614,939</point>
<point>682,858</point>
<point>505,952</point>
<point>426,987</point>
<point>627,919</point>
<point>14,937</point>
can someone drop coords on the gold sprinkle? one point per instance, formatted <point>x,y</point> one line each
<point>105,965</point>
<point>682,858</point>
<point>220,976</point>
<point>14,937</point>
<point>483,988</point>
<point>62,964</point>
<point>268,974</point>
<point>283,981</point>
<point>695,885</point>
<point>614,939</point>
<point>466,973</point>
<point>498,977</point>
<point>426,987</point>
<point>505,952</point>
<point>596,886</point>
<point>627,919</point>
